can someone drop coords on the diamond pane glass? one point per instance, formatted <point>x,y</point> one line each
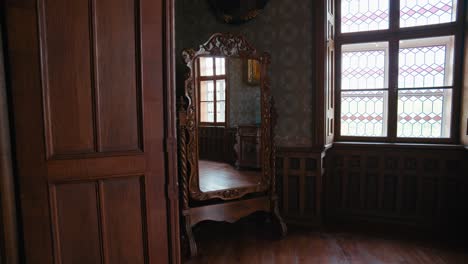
<point>424,113</point>
<point>426,62</point>
<point>206,91</point>
<point>206,111</point>
<point>220,66</point>
<point>221,90</point>
<point>364,66</point>
<point>206,66</point>
<point>363,113</point>
<point>426,12</point>
<point>364,15</point>
<point>220,111</point>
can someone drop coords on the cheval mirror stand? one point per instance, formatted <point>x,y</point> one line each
<point>226,136</point>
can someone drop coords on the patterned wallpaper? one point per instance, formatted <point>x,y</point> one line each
<point>285,30</point>
<point>244,100</point>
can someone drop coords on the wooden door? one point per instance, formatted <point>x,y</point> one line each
<point>87,86</point>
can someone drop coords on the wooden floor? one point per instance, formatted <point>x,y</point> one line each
<point>224,243</point>
<point>219,176</point>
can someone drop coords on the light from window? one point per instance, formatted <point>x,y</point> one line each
<point>363,113</point>
<point>425,63</point>
<point>400,86</point>
<point>427,12</point>
<point>212,90</point>
<point>364,15</point>
<point>207,101</point>
<point>424,113</point>
<point>220,100</point>
<point>206,66</point>
<point>364,83</point>
<point>220,67</point>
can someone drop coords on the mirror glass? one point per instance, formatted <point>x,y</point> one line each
<point>229,122</point>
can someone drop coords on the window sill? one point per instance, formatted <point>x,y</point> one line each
<point>340,144</point>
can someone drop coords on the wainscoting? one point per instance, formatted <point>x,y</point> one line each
<point>411,185</point>
<point>217,143</point>
<point>299,180</point>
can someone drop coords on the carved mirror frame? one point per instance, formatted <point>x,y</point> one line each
<point>234,46</point>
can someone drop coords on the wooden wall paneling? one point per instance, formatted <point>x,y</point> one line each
<point>403,184</point>
<point>300,170</point>
<point>8,220</point>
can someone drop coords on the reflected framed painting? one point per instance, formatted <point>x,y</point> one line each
<point>252,72</point>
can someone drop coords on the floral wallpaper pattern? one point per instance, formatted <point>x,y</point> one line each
<point>284,29</point>
<point>244,100</point>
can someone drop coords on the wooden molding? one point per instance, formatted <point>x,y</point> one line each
<point>171,135</point>
<point>8,221</point>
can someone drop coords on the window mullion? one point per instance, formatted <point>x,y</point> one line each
<point>394,15</point>
<point>393,71</point>
<point>393,90</point>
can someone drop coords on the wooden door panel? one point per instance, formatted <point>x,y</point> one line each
<point>124,236</point>
<point>64,28</point>
<point>88,103</point>
<point>118,89</point>
<point>76,222</point>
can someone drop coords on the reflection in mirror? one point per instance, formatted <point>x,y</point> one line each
<point>229,134</point>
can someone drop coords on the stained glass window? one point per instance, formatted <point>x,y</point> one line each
<point>364,66</point>
<point>426,12</point>
<point>399,88</point>
<point>364,15</point>
<point>424,113</point>
<point>363,113</point>
<point>364,83</point>
<point>426,62</point>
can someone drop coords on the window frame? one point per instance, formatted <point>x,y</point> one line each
<point>213,78</point>
<point>393,35</point>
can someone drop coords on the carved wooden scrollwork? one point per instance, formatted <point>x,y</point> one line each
<point>226,45</point>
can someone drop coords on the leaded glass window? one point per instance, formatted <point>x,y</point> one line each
<point>398,82</point>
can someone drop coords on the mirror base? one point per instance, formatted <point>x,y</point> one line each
<point>232,212</point>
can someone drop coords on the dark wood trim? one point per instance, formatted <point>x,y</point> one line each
<point>9,247</point>
<point>320,71</point>
<point>229,212</point>
<point>171,135</point>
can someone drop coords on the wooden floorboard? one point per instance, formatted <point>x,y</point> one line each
<point>247,243</point>
<point>216,176</point>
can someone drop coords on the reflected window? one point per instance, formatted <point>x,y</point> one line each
<point>212,90</point>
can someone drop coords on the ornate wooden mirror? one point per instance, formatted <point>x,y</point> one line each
<point>226,144</point>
